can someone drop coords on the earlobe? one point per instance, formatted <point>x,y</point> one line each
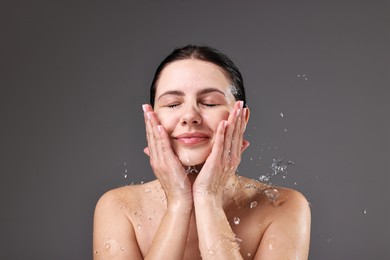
<point>146,151</point>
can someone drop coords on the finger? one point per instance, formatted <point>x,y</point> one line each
<point>230,128</point>
<point>218,146</point>
<point>148,110</point>
<point>238,135</point>
<point>165,148</point>
<point>154,137</point>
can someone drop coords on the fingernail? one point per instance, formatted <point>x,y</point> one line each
<point>241,104</point>
<point>144,107</point>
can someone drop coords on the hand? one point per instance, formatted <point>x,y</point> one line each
<point>165,164</point>
<point>225,156</point>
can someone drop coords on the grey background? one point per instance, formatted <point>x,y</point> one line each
<point>74,76</point>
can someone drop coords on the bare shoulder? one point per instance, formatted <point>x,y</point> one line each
<point>280,199</point>
<point>126,197</point>
<point>114,232</point>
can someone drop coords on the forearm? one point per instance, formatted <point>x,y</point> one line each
<point>171,236</point>
<point>216,238</point>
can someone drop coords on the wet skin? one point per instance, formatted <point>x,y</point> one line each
<point>181,215</point>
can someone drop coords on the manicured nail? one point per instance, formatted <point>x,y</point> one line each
<point>241,104</point>
<point>144,107</point>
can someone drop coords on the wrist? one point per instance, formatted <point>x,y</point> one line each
<point>205,199</point>
<point>179,204</point>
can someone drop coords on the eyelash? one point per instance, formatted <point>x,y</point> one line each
<point>205,104</point>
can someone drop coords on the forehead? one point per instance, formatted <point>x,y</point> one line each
<point>191,74</point>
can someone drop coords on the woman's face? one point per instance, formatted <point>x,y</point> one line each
<point>192,98</point>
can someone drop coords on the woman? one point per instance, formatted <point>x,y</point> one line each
<point>198,207</point>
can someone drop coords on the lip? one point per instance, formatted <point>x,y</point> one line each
<point>192,138</point>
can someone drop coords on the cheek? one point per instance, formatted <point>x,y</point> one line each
<point>167,121</point>
<point>213,119</point>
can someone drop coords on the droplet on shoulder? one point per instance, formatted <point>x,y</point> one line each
<point>253,204</point>
<point>272,194</point>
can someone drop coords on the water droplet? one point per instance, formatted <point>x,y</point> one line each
<point>139,226</point>
<point>272,194</point>
<point>236,220</point>
<point>249,254</point>
<point>122,248</point>
<point>125,176</point>
<point>364,211</point>
<point>295,183</point>
<point>281,114</point>
<point>253,204</point>
<point>124,163</point>
<point>298,75</point>
<point>191,169</point>
<point>211,252</point>
<point>148,189</point>
<point>264,178</point>
<point>107,246</point>
<point>285,130</point>
<point>125,170</point>
<point>251,158</point>
<point>279,166</point>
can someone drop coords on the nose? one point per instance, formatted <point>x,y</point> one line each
<point>191,116</point>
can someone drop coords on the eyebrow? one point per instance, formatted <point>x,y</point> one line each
<point>181,93</point>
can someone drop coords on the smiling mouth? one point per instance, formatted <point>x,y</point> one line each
<point>192,140</point>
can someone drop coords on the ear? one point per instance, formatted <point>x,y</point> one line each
<point>247,114</point>
<point>245,145</point>
<point>146,151</point>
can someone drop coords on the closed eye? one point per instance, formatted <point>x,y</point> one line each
<point>210,105</point>
<point>172,105</point>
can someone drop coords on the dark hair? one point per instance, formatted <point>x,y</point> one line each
<point>207,54</point>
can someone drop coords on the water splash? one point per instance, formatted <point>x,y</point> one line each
<point>236,220</point>
<point>191,169</point>
<point>279,167</point>
<point>272,194</point>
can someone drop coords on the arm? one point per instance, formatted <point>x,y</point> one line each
<point>173,229</point>
<point>216,238</point>
<point>288,236</point>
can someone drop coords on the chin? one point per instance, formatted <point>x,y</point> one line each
<point>192,157</point>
